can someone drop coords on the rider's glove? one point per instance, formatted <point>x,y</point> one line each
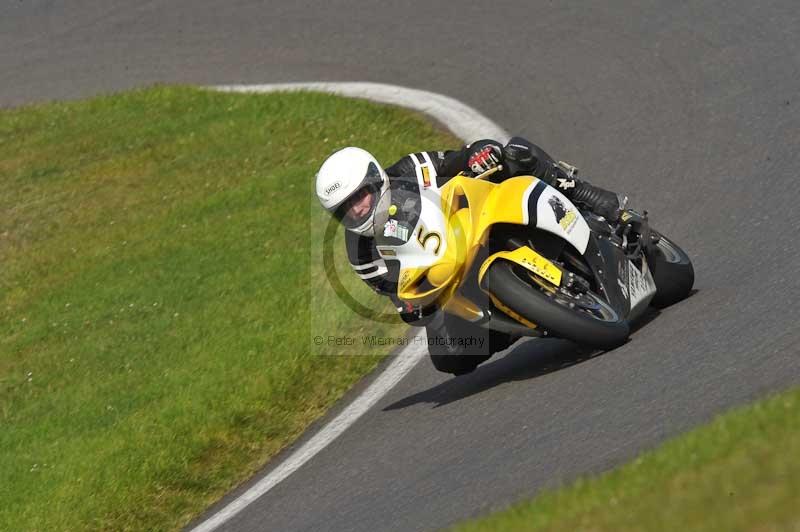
<point>414,315</point>
<point>484,159</point>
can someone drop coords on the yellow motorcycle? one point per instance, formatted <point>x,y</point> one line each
<point>517,258</point>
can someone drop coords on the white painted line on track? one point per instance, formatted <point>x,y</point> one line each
<point>469,125</point>
<point>394,372</point>
<point>465,122</point>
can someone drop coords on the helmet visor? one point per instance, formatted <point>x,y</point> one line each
<point>359,207</point>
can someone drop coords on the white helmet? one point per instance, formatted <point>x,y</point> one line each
<point>342,177</point>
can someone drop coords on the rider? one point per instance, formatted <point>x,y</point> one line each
<point>350,182</point>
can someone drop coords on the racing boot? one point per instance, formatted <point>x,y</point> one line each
<point>599,200</point>
<point>522,156</point>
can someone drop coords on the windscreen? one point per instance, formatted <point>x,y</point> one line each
<point>398,212</point>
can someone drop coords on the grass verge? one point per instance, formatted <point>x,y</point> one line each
<point>155,329</point>
<point>741,472</point>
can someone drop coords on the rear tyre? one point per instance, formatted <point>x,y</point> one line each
<point>457,346</point>
<point>591,321</point>
<point>672,271</point>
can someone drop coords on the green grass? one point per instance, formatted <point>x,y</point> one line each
<point>156,292</point>
<point>741,472</point>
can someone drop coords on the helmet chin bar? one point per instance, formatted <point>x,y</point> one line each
<point>364,228</point>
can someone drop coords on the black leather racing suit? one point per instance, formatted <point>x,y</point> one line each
<point>518,157</point>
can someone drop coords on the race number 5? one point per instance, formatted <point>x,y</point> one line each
<point>423,237</point>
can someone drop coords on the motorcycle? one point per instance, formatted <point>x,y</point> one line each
<point>518,258</point>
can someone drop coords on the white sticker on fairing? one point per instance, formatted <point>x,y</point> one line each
<point>556,214</point>
<point>393,229</point>
<point>566,183</point>
<point>641,286</point>
<point>390,228</point>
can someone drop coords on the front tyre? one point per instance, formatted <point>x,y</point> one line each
<point>672,271</point>
<point>586,319</point>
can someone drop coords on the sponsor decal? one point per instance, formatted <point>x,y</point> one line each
<point>568,221</point>
<point>392,229</point>
<point>405,279</point>
<point>632,282</point>
<point>566,184</point>
<point>623,288</point>
<point>543,269</point>
<point>426,177</point>
<point>622,279</point>
<point>402,233</point>
<point>333,187</point>
<point>637,283</point>
<point>565,217</point>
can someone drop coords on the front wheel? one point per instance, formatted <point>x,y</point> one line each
<point>672,271</point>
<point>586,318</point>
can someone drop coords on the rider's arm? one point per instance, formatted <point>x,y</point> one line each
<point>381,277</point>
<point>367,264</point>
<point>446,164</point>
<point>443,165</point>
<point>518,157</point>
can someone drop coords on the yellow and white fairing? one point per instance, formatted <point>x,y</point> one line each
<point>411,228</point>
<point>567,223</point>
<point>435,233</point>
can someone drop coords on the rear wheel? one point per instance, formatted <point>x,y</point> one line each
<point>672,271</point>
<point>584,318</point>
<point>457,346</point>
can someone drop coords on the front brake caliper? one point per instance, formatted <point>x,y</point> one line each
<point>574,283</point>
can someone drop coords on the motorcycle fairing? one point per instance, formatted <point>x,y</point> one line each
<point>628,287</point>
<point>558,215</point>
<point>528,259</point>
<point>450,224</point>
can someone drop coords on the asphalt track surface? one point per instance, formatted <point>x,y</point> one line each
<point>691,110</point>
